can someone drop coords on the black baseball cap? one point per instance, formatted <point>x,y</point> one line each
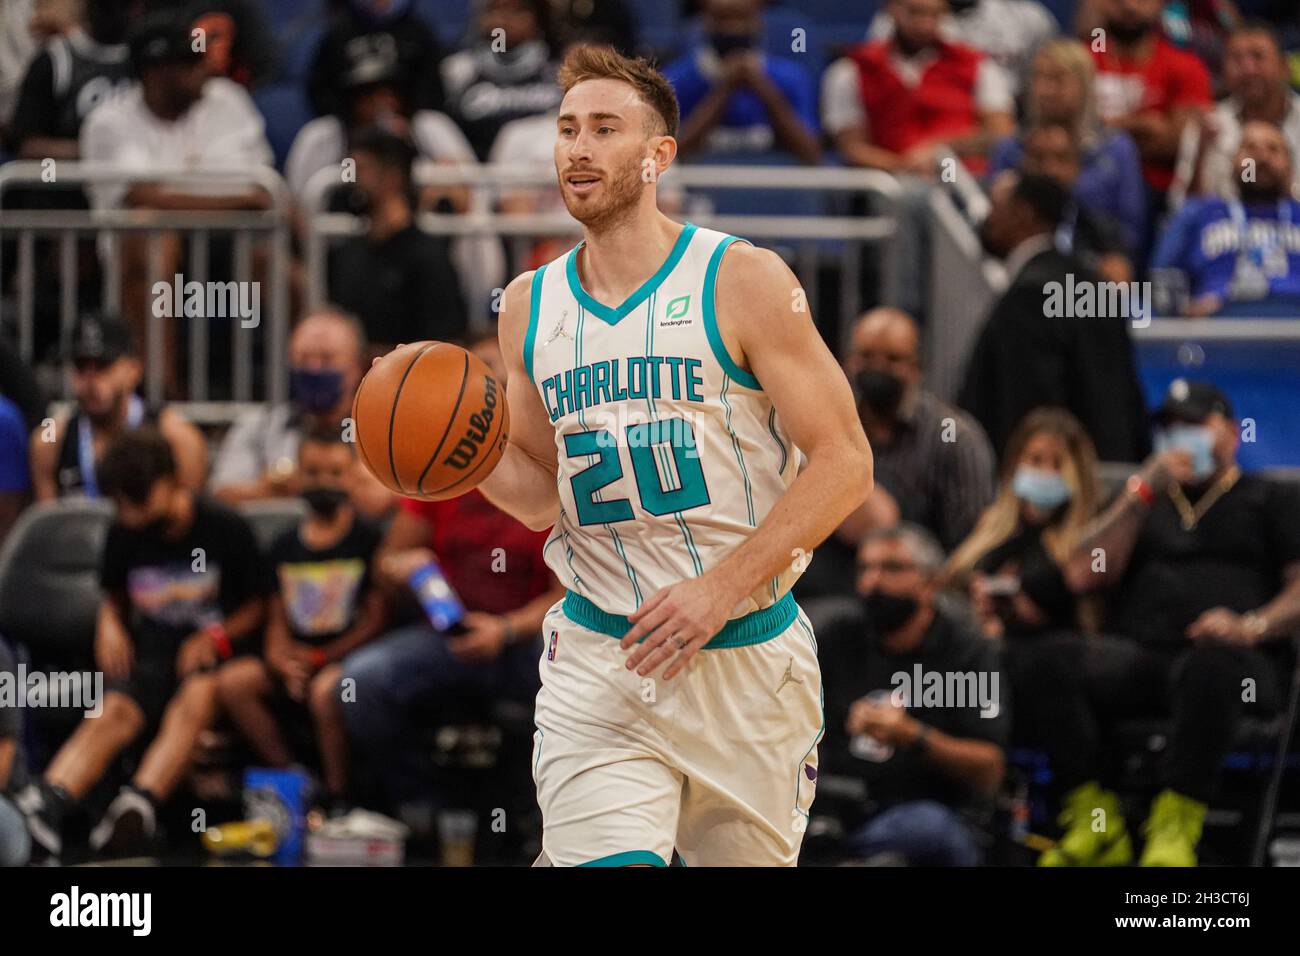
<point>101,338</point>
<point>161,37</point>
<point>368,67</point>
<point>1192,402</point>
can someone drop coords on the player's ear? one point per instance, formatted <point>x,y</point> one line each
<point>665,151</point>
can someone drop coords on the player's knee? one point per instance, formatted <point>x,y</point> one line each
<point>122,716</point>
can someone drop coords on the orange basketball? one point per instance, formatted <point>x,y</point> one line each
<point>431,420</point>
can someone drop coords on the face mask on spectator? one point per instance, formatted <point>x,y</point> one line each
<point>315,389</point>
<point>888,612</point>
<point>324,501</point>
<point>880,390</point>
<point>1127,33</point>
<point>725,43</point>
<point>1045,490</point>
<point>1197,440</point>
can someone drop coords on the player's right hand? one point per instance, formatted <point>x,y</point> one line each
<point>113,651</point>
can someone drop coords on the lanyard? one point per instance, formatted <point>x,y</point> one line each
<point>86,443</point>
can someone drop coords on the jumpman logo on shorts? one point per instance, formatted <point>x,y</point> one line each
<point>787,678</point>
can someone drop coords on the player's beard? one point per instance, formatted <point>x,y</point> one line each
<point>620,195</point>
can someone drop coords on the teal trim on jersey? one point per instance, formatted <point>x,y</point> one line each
<point>687,537</point>
<point>613,315</point>
<point>802,620</point>
<point>709,307</point>
<point>534,307</point>
<point>538,759</point>
<point>754,628</point>
<point>628,858</point>
<point>740,456</point>
<point>771,427</point>
<point>594,495</point>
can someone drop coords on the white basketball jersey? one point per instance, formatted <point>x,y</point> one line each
<point>669,453</point>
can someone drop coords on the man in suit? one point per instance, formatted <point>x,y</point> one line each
<point>1057,336</point>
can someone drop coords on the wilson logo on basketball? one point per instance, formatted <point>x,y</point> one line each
<point>480,423</point>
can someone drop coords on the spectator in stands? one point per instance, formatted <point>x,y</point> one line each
<point>1200,27</point>
<point>495,566</point>
<point>1007,31</point>
<point>1147,87</point>
<point>51,18</point>
<point>508,72</point>
<point>400,281</point>
<point>183,585</point>
<point>735,99</point>
<point>176,117</point>
<point>76,72</point>
<point>932,767</point>
<point>15,843</point>
<point>610,22</point>
<point>257,458</point>
<point>390,29</point>
<point>15,478</point>
<point>1246,249</point>
<point>106,371</point>
<point>934,460</point>
<point>1061,92</point>
<point>238,41</point>
<point>1255,78</point>
<point>371,92</point>
<point>1091,235</point>
<point>327,606</point>
<point>1204,563</point>
<point>904,103</point>
<point>1038,349</point>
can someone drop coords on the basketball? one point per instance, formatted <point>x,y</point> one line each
<point>431,420</point>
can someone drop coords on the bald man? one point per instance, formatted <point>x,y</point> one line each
<point>257,460</point>
<point>933,459</point>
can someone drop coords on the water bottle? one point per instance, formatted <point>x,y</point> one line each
<point>440,603</point>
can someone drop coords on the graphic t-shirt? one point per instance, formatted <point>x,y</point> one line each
<point>1239,252</point>
<point>174,587</point>
<point>322,588</point>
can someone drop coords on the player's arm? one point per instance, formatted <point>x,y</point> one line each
<point>523,483</point>
<point>767,329</point>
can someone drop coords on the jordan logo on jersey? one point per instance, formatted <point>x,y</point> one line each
<point>787,678</point>
<point>558,332</point>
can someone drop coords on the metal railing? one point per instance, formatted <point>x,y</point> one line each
<point>68,226</point>
<point>810,234</point>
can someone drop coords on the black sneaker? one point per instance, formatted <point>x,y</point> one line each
<point>43,806</point>
<point>127,826</point>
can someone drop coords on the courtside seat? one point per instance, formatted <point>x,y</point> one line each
<point>271,518</point>
<point>49,580</point>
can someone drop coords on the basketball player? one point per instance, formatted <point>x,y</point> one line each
<point>678,420</point>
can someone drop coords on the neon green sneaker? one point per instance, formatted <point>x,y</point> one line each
<point>1095,833</point>
<point>1173,830</point>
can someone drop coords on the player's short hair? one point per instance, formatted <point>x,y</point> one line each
<point>921,544</point>
<point>1049,200</point>
<point>136,461</point>
<point>589,61</point>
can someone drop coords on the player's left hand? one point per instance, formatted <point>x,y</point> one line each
<point>1223,626</point>
<point>678,619</point>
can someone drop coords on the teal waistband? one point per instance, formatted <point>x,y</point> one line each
<point>754,628</point>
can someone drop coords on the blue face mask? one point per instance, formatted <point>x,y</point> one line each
<point>1197,440</point>
<point>1045,490</point>
<point>315,389</point>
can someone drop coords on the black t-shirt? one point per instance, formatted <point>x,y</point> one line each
<point>1041,579</point>
<point>1234,558</point>
<point>854,665</point>
<point>322,589</point>
<point>174,587</point>
<point>404,289</point>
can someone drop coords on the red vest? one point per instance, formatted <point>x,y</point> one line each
<point>942,104</point>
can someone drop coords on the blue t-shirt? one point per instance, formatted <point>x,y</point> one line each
<point>745,126</point>
<point>15,477</point>
<point>1240,253</point>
